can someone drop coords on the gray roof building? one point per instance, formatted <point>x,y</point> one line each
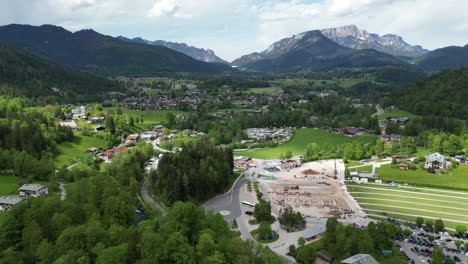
<point>33,187</point>
<point>6,202</point>
<point>314,231</point>
<point>360,259</point>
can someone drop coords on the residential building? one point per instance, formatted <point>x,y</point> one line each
<point>109,154</point>
<point>132,138</point>
<point>6,202</point>
<point>33,189</point>
<point>462,160</point>
<point>360,259</point>
<point>436,161</point>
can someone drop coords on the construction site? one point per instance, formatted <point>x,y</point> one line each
<point>316,189</point>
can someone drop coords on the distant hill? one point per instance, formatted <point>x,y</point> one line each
<point>91,51</point>
<point>205,55</point>
<point>355,38</point>
<point>445,58</point>
<point>23,74</point>
<point>313,51</point>
<point>443,94</point>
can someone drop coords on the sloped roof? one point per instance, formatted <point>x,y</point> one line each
<point>10,199</point>
<point>33,187</point>
<point>360,259</point>
<point>435,157</point>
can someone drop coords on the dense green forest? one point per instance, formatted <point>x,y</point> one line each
<point>342,241</point>
<point>443,94</point>
<point>196,173</point>
<point>23,74</point>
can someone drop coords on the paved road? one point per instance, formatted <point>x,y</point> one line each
<point>71,166</point>
<point>146,197</point>
<point>379,110</point>
<point>228,204</point>
<point>63,191</point>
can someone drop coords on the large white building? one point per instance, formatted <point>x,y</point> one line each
<point>33,189</point>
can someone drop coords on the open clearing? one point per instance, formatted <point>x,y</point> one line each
<point>457,178</point>
<point>298,144</point>
<point>406,203</point>
<point>70,152</point>
<point>396,113</point>
<point>8,184</point>
<point>150,117</point>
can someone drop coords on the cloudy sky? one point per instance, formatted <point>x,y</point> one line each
<point>236,27</point>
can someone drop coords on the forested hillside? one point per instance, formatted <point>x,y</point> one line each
<point>23,74</point>
<point>197,173</point>
<point>452,57</point>
<point>443,94</point>
<point>91,51</point>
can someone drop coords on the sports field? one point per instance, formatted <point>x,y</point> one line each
<point>302,137</point>
<point>407,203</point>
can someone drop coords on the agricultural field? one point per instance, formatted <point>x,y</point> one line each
<point>70,152</point>
<point>301,138</point>
<point>455,179</point>
<point>407,203</point>
<point>396,113</point>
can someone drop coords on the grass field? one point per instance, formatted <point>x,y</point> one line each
<point>297,145</point>
<point>406,203</point>
<point>367,168</point>
<point>8,184</point>
<point>396,113</point>
<point>150,117</point>
<point>71,151</point>
<point>457,178</point>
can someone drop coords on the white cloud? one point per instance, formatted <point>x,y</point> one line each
<point>235,27</point>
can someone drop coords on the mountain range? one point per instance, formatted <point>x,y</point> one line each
<point>452,57</point>
<point>355,38</point>
<point>206,55</point>
<point>313,51</point>
<point>90,51</point>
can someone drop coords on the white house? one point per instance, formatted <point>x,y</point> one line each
<point>6,202</point>
<point>436,161</point>
<point>33,189</point>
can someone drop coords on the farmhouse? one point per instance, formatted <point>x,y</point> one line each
<point>109,154</point>
<point>70,123</point>
<point>404,166</point>
<point>6,202</point>
<point>132,138</point>
<point>436,161</point>
<point>360,259</point>
<point>399,120</point>
<point>34,190</point>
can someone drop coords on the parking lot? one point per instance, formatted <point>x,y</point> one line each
<point>418,248</point>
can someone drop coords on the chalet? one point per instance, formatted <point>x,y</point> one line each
<point>314,231</point>
<point>92,150</point>
<point>34,190</point>
<point>360,259</point>
<point>351,131</point>
<point>70,123</point>
<point>6,202</point>
<point>399,120</point>
<point>436,161</point>
<point>404,166</point>
<point>79,112</point>
<point>132,138</point>
<point>462,160</point>
<point>96,120</point>
<point>390,138</point>
<point>150,135</point>
<point>109,154</point>
<point>158,128</point>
